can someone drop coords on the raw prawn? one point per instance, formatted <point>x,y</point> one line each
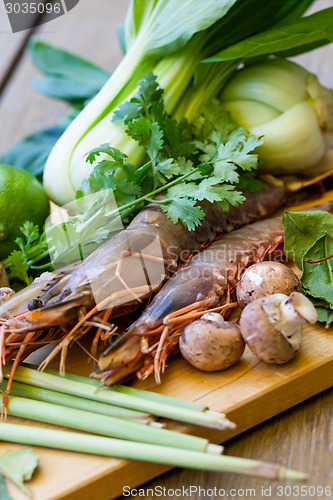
<point>114,279</point>
<point>208,282</point>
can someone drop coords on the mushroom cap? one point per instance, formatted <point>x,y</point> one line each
<point>267,342</point>
<point>210,345</point>
<point>266,278</point>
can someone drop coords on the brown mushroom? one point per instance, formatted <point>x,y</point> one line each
<point>266,278</point>
<point>272,326</point>
<point>211,344</point>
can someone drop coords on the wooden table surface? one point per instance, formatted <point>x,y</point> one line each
<point>301,438</point>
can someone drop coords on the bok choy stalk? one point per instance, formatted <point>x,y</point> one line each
<point>168,37</point>
<point>286,105</point>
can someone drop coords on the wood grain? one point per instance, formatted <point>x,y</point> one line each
<point>300,438</point>
<point>22,109</point>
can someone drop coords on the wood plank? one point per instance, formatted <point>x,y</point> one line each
<point>12,45</point>
<point>249,393</point>
<point>22,109</point>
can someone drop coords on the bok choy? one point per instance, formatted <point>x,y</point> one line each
<point>286,105</point>
<point>170,38</point>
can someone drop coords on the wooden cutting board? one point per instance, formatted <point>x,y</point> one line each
<point>249,393</point>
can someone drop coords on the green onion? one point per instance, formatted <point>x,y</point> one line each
<point>105,425</point>
<point>209,419</point>
<point>137,451</point>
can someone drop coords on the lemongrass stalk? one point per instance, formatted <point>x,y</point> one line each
<point>133,391</point>
<point>97,445</point>
<point>207,419</point>
<point>45,395</point>
<point>104,425</point>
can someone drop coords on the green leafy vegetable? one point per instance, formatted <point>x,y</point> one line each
<point>18,466</point>
<point>317,277</point>
<point>302,230</point>
<point>31,153</point>
<point>22,264</point>
<point>287,40</point>
<point>67,76</point>
<point>309,242</point>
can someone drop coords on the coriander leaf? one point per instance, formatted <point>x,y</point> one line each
<point>178,138</point>
<point>149,90</point>
<point>106,149</point>
<point>302,230</point>
<point>317,278</point>
<point>18,466</point>
<point>248,183</point>
<point>30,231</point>
<point>209,190</point>
<point>169,168</point>
<point>224,166</point>
<point>148,96</point>
<point>185,210</point>
<point>182,189</point>
<point>18,267</point>
<point>126,112</point>
<point>150,136</point>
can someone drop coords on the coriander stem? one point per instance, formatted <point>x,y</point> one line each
<point>155,192</point>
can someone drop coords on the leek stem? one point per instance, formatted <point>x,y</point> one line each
<point>104,425</point>
<point>212,420</point>
<point>136,451</point>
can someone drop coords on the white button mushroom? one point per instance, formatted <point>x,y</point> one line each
<point>211,344</point>
<point>272,326</point>
<point>266,278</point>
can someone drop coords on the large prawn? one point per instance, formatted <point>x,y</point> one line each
<point>126,270</point>
<point>208,283</point>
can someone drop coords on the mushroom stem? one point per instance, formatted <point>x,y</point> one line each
<point>296,310</point>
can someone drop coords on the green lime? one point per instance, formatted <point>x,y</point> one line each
<point>22,198</point>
